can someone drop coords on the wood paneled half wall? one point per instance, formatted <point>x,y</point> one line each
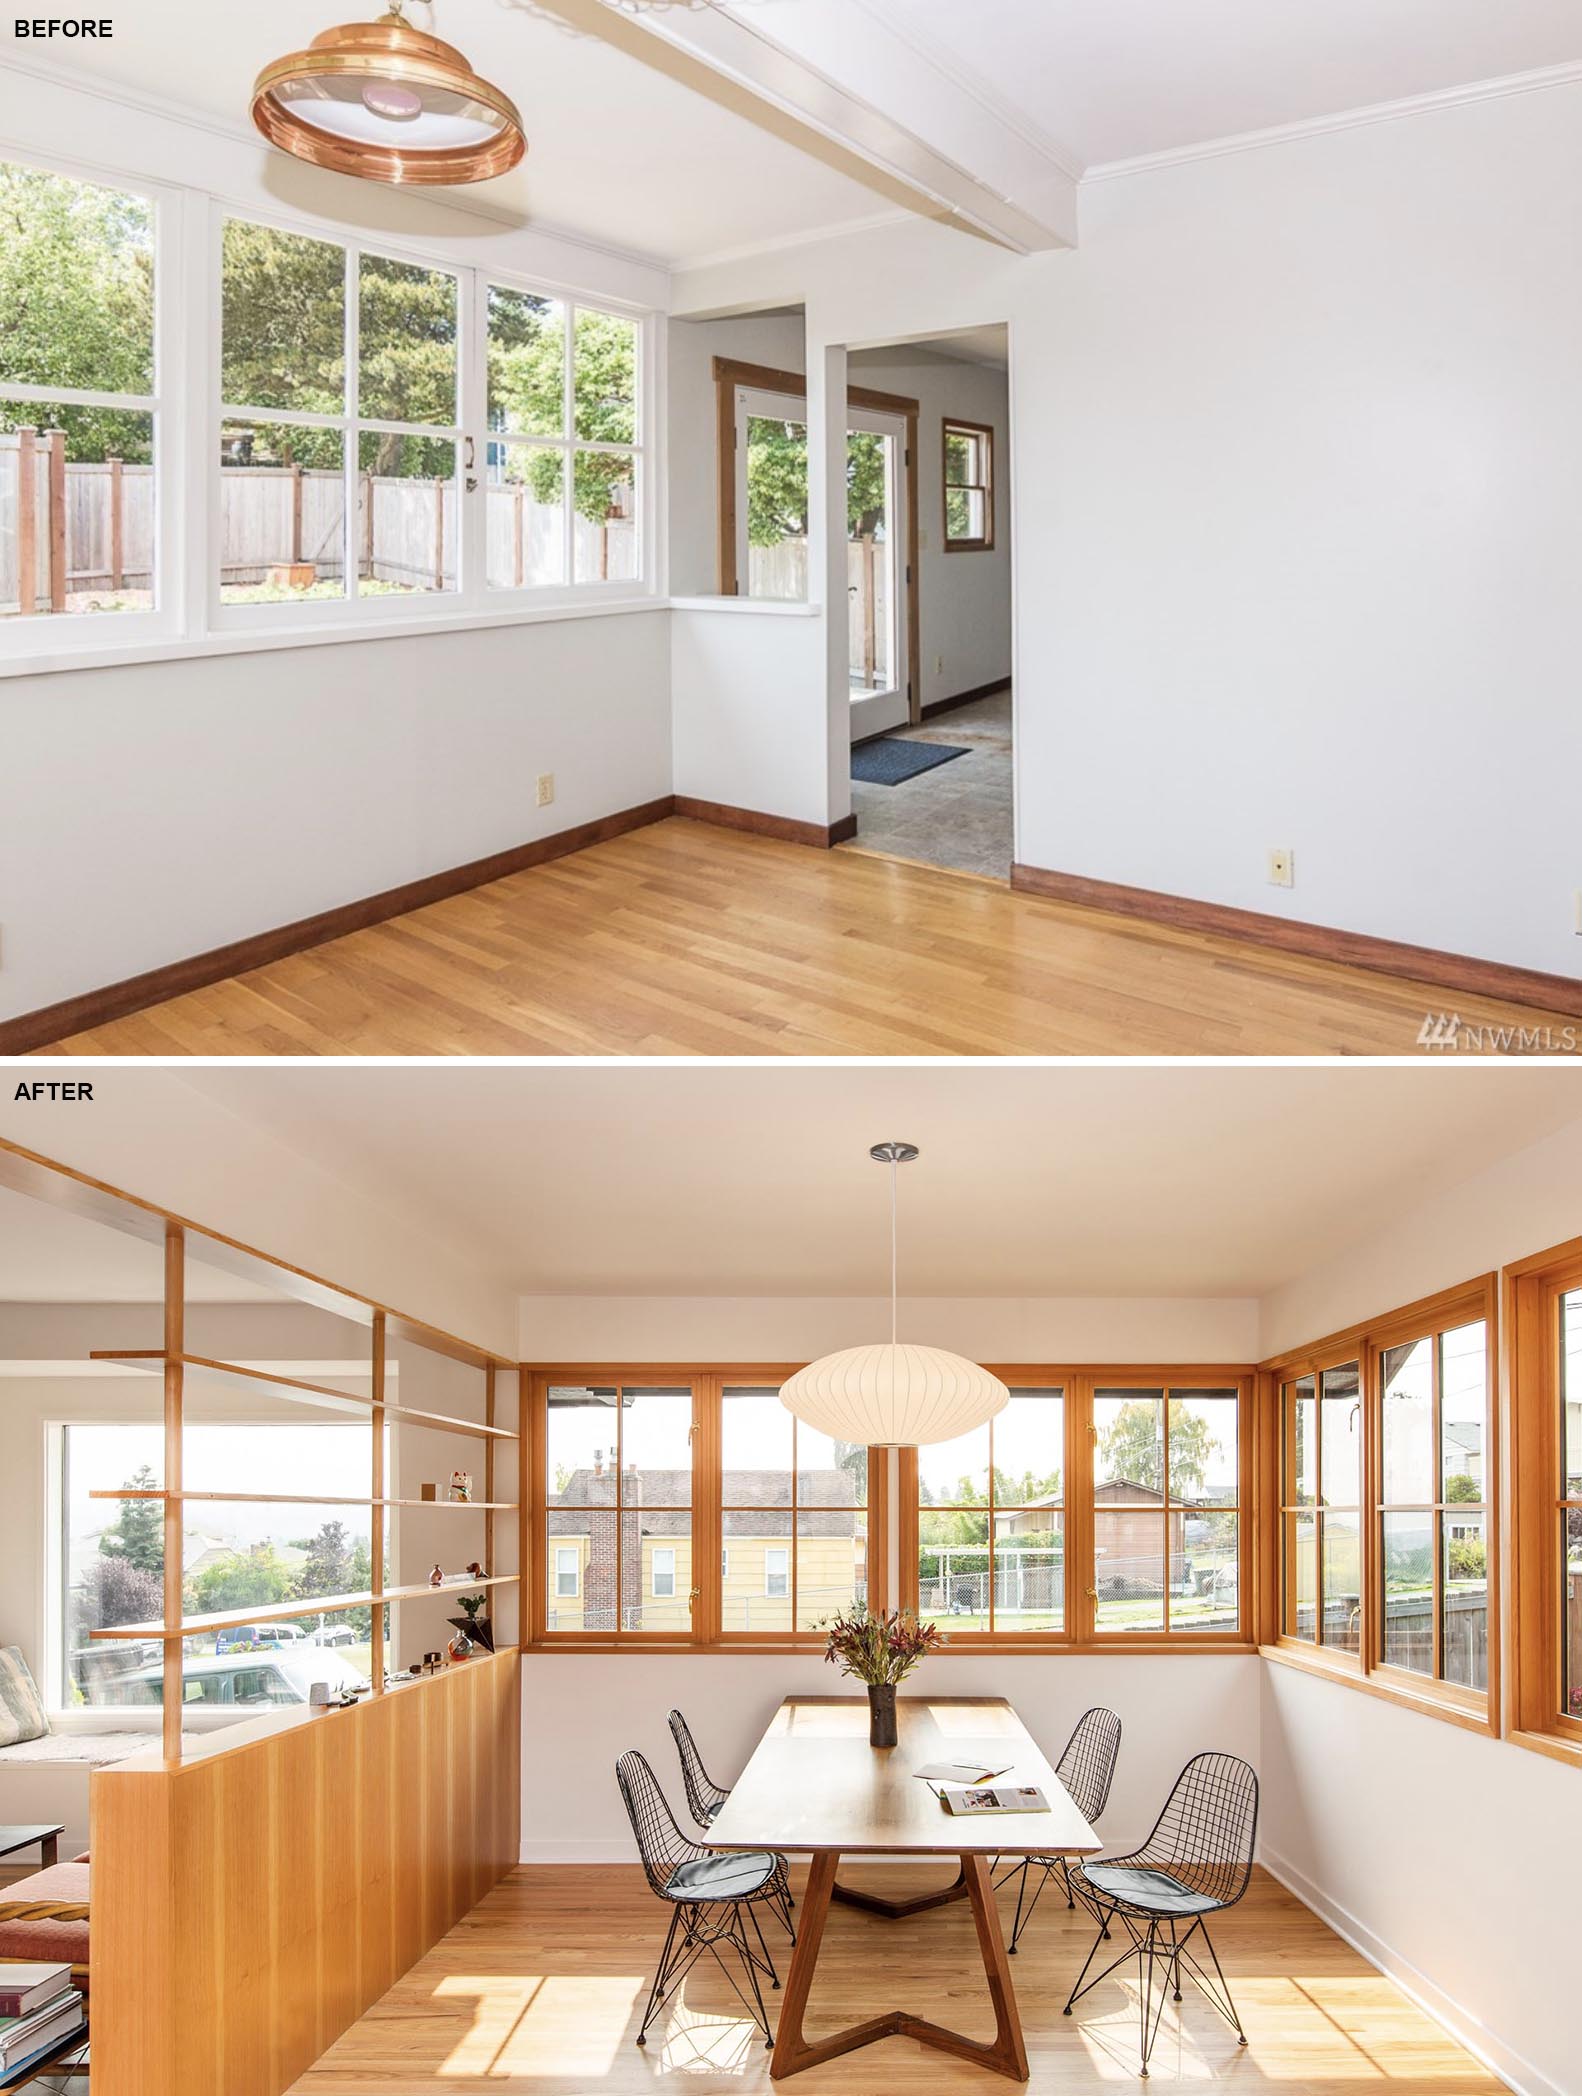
<point>251,1901</point>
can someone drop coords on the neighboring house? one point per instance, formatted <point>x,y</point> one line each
<point>757,1549</point>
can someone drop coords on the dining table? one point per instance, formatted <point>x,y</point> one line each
<point>814,1786</point>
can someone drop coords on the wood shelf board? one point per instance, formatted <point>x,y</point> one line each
<point>297,1391</point>
<point>304,1605</point>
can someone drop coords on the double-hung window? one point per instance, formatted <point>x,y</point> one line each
<point>969,487</point>
<point>84,527</point>
<point>793,1510</point>
<point>615,1505</point>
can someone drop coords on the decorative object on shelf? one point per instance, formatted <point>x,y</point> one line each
<point>389,103</point>
<point>472,1621</point>
<point>475,1570</point>
<point>460,1646</point>
<point>461,1485</point>
<point>893,1396</point>
<point>436,1578</point>
<point>428,1491</point>
<point>323,1697</point>
<point>878,1647</point>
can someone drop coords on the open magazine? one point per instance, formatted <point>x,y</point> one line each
<point>1007,1797</point>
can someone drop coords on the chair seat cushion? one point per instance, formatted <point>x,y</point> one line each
<point>44,1918</point>
<point>722,1874</point>
<point>1153,1890</point>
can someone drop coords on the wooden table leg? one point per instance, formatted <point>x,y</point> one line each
<point>49,1849</point>
<point>1007,2054</point>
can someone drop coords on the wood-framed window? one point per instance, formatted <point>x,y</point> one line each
<point>1544,1327</point>
<point>1101,1508</point>
<point>1385,1538</point>
<point>969,486</point>
<point>685,1506</point>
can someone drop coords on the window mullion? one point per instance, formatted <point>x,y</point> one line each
<point>351,401</point>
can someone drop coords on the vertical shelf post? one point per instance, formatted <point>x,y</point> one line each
<point>526,1600</point>
<point>488,1472</point>
<point>175,1347</point>
<point>376,1542</point>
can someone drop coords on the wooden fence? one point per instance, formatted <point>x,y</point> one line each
<point>88,530</point>
<point>780,573</point>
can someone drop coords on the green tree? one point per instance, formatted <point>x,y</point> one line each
<point>329,1566</point>
<point>1468,1558</point>
<point>526,389</point>
<point>1131,1449</point>
<point>77,300</point>
<point>250,1578</point>
<point>777,484</point>
<point>138,1533</point>
<point>1461,1489</point>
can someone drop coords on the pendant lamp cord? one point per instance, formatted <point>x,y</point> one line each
<point>894,1269</point>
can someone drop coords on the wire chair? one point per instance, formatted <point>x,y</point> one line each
<point>704,1800</point>
<point>711,1893</point>
<point>1196,1862</point>
<point>1086,1770</point>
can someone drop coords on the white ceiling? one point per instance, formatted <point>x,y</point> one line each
<point>1113,79</point>
<point>1014,94</point>
<point>699,1180</point>
<point>49,1256</point>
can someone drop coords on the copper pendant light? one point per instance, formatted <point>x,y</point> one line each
<point>388,102</point>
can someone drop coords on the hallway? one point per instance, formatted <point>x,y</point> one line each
<point>959,814</point>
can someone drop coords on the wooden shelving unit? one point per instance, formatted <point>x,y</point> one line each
<point>292,1388</point>
<point>462,1506</point>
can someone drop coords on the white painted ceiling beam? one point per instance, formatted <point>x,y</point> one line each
<point>772,79</point>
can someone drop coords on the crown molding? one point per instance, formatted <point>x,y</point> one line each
<point>235,132</point>
<point>815,236</point>
<point>972,84</point>
<point>1498,89</point>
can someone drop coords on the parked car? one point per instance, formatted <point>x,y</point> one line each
<point>258,1637</point>
<point>333,1634</point>
<point>243,1680</point>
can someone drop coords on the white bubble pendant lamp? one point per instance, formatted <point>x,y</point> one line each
<point>893,1396</point>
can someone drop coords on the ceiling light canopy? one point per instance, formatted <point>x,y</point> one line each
<point>893,1396</point>
<point>390,103</point>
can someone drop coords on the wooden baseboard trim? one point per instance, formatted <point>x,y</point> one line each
<point>965,698</point>
<point>785,827</point>
<point>54,1022</point>
<point>1424,964</point>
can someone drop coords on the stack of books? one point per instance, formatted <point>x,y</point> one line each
<point>40,2011</point>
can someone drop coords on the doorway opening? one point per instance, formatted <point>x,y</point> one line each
<point>929,597</point>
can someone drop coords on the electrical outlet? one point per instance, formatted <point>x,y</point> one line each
<point>546,788</point>
<point>939,665</point>
<point>1282,871</point>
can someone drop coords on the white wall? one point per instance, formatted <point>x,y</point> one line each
<point>1294,487</point>
<point>150,812</point>
<point>749,723</point>
<point>1446,1856</point>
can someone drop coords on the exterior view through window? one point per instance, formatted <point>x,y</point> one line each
<point>110,1557</point>
<point>77,397</point>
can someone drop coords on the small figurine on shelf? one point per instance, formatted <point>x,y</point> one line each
<point>461,1484</point>
<point>460,1646</point>
<point>436,1578</point>
<point>475,1570</point>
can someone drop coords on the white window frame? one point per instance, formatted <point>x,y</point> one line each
<point>771,1591</point>
<point>56,633</point>
<point>186,406</point>
<point>659,1593</point>
<point>562,1552</point>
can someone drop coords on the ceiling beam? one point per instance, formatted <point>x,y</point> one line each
<point>735,64</point>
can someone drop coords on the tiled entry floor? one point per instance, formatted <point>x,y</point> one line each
<point>958,814</point>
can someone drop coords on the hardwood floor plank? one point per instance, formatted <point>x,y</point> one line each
<point>683,939</point>
<point>541,1988</point>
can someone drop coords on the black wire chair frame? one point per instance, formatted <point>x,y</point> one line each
<point>1086,1769</point>
<point>711,1893</point>
<point>704,1800</point>
<point>1196,1862</point>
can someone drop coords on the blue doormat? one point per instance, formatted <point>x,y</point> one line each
<point>887,761</point>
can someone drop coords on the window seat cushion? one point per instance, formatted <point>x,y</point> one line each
<point>97,1749</point>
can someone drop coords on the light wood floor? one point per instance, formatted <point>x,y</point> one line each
<point>542,1986</point>
<point>682,939</point>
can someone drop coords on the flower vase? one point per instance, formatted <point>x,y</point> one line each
<point>881,1714</point>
